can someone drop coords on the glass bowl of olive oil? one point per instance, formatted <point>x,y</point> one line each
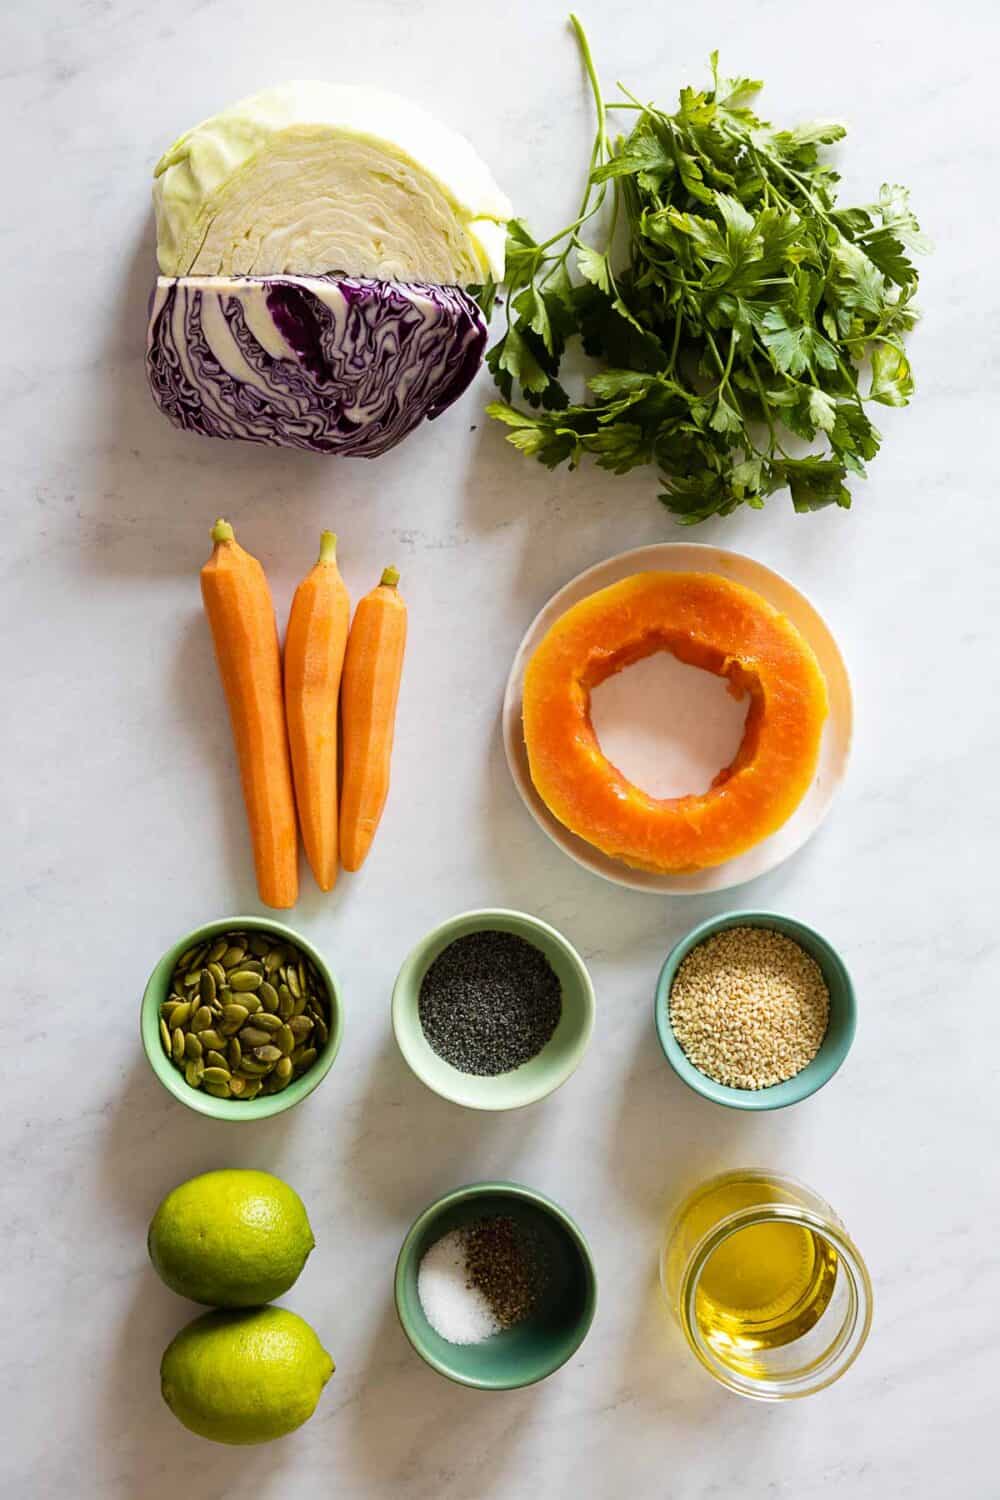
<point>770,1292</point>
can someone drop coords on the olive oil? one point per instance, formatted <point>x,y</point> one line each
<point>765,1286</point>
<point>762,1286</point>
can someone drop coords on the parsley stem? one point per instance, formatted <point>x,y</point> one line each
<point>765,406</point>
<point>595,85</point>
<point>678,319</point>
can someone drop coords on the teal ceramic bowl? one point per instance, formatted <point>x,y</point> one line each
<point>172,1079</point>
<point>534,1079</point>
<point>839,1033</point>
<point>555,1330</point>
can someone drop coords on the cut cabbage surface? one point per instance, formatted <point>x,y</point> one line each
<point>316,178</point>
<point>343,365</point>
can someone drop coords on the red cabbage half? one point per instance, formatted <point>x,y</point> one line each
<point>335,364</point>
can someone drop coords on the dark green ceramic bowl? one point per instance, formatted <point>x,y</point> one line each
<point>172,1078</point>
<point>835,1045</point>
<point>544,1341</point>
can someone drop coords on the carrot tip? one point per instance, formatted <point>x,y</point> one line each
<point>390,577</point>
<point>222,531</point>
<point>327,546</point>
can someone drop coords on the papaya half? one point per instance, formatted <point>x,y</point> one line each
<point>706,621</point>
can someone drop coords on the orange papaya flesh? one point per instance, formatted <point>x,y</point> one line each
<point>706,621</point>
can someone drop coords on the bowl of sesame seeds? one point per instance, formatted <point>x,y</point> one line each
<point>755,1010</point>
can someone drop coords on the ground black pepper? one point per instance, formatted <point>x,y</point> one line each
<point>505,1261</point>
<point>489,1002</point>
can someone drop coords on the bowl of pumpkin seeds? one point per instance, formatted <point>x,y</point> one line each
<point>241,1018</point>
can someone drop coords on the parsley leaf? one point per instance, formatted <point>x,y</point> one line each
<point>732,305</point>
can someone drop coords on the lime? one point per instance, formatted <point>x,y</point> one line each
<point>244,1376</point>
<point>230,1239</point>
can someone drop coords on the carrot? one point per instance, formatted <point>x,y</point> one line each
<point>314,658</point>
<point>241,614</point>
<point>372,670</point>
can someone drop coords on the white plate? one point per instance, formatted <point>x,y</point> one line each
<point>682,557</point>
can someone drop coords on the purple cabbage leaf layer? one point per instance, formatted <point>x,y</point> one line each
<point>333,364</point>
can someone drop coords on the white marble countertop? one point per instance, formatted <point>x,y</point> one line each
<point>124,825</point>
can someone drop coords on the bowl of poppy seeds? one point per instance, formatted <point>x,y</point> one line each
<point>493,1009</point>
<point>495,1286</point>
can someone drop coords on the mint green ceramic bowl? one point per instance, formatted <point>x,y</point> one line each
<point>839,1033</point>
<point>545,1340</point>
<point>172,1079</point>
<point>534,1079</point>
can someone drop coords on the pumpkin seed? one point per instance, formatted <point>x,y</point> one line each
<point>165,1036</point>
<point>283,1069</point>
<point>233,956</point>
<point>193,1048</point>
<point>237,1087</point>
<point>259,945</point>
<point>251,1087</point>
<point>184,962</point>
<point>212,1038</point>
<point>306,1059</point>
<point>286,1003</point>
<point>299,1006</point>
<point>215,1059</point>
<point>273,960</point>
<point>300,1027</point>
<point>194,1072</point>
<point>216,1075</point>
<point>268,997</point>
<point>217,1090</point>
<point>216,951</point>
<point>285,1040</point>
<point>245,979</point>
<point>206,985</point>
<point>234,1052</point>
<point>177,1045</point>
<point>249,1000</point>
<point>321,1032</point>
<point>266,1022</point>
<point>202,1019</point>
<point>252,1036</point>
<point>268,1054</point>
<point>251,1068</point>
<point>233,1016</point>
<point>218,973</point>
<point>191,979</point>
<point>292,980</point>
<point>180,1014</point>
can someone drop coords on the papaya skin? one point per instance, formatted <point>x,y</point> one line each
<point>706,621</point>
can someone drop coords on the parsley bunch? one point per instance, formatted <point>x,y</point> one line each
<point>733,309</point>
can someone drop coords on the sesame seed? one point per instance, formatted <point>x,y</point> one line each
<point>749,1007</point>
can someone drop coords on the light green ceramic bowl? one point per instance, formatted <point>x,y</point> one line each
<point>835,1045</point>
<point>172,1078</point>
<point>534,1079</point>
<point>544,1341</point>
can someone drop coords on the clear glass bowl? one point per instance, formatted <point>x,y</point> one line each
<point>769,1290</point>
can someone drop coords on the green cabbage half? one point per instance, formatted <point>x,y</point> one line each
<point>315,178</point>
